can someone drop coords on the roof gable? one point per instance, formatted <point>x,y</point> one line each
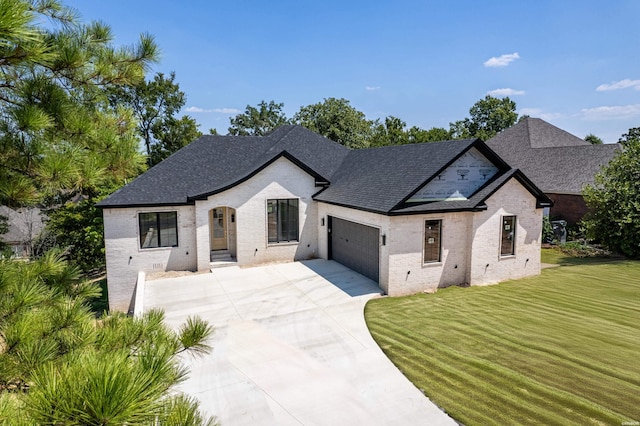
<point>459,180</point>
<point>380,179</point>
<point>534,133</point>
<point>555,160</point>
<point>213,163</point>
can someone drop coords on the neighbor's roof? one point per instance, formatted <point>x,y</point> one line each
<point>214,163</point>
<point>556,161</point>
<point>380,180</point>
<point>24,224</point>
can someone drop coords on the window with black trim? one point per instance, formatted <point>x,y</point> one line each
<point>282,220</point>
<point>508,236</point>
<point>432,241</point>
<point>159,229</point>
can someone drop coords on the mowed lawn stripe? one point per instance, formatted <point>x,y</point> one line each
<point>511,396</point>
<point>564,344</point>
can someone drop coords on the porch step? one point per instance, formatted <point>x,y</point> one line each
<point>220,259</point>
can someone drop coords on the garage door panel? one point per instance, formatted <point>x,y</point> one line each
<point>356,246</point>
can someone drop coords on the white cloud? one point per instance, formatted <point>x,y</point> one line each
<point>611,112</point>
<point>505,92</point>
<point>220,110</point>
<point>622,84</point>
<point>227,110</point>
<point>501,61</point>
<point>371,88</point>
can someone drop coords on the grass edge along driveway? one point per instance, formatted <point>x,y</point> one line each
<point>560,348</point>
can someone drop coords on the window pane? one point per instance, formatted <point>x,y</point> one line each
<point>293,220</point>
<point>148,230</point>
<point>168,229</point>
<point>272,221</point>
<point>507,243</point>
<point>432,231</point>
<point>158,229</point>
<point>282,220</point>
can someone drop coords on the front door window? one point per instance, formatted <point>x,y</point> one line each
<point>219,233</point>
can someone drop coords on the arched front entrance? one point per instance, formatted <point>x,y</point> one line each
<point>222,232</point>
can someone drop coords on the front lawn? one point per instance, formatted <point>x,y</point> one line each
<point>561,348</point>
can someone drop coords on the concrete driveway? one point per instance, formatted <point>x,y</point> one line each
<point>291,347</point>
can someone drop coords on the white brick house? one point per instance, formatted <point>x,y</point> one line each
<point>411,217</point>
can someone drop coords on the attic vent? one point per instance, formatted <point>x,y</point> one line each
<point>158,266</point>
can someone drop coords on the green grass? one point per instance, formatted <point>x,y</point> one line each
<point>561,348</point>
<point>555,256</point>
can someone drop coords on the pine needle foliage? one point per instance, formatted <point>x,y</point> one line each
<point>58,133</point>
<point>59,365</point>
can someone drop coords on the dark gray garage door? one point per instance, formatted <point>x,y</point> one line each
<point>356,246</point>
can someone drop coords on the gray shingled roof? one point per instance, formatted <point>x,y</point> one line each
<point>556,161</point>
<point>374,179</point>
<point>214,163</point>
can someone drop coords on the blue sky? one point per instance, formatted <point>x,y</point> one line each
<point>572,63</point>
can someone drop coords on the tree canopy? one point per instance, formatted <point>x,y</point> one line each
<point>593,139</point>
<point>614,200</point>
<point>488,117</point>
<point>258,121</point>
<point>337,120</point>
<point>155,104</point>
<point>57,133</point>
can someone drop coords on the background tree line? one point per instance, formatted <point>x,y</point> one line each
<point>337,120</point>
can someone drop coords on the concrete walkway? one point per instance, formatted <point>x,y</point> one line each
<point>291,347</point>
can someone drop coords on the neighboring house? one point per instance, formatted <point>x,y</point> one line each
<point>411,217</point>
<point>25,224</point>
<point>559,163</point>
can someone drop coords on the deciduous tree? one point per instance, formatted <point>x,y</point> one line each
<point>434,134</point>
<point>391,132</point>
<point>258,121</point>
<point>155,104</point>
<point>614,200</point>
<point>488,117</point>
<point>593,139</point>
<point>337,120</point>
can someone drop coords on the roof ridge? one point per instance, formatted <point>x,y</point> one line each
<point>279,139</point>
<point>371,148</point>
<point>528,130</point>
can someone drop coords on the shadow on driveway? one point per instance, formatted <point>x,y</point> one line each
<point>352,283</point>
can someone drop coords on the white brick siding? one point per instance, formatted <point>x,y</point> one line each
<point>487,266</point>
<point>470,240</point>
<point>281,179</point>
<point>125,258</point>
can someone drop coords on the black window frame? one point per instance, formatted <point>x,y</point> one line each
<point>427,236</point>
<point>283,220</point>
<point>160,220</point>
<point>508,236</point>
